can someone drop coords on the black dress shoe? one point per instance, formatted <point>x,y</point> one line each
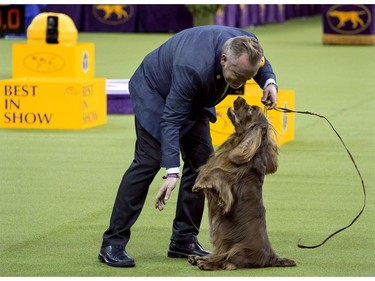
<point>115,255</point>
<point>184,250</point>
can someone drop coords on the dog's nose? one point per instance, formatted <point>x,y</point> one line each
<point>239,99</point>
<point>239,102</point>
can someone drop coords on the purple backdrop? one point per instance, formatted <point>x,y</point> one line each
<point>173,18</point>
<point>249,15</point>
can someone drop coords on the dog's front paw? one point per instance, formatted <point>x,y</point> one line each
<point>196,188</point>
<point>225,208</point>
<point>201,185</point>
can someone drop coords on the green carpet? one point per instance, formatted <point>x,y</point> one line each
<point>57,188</point>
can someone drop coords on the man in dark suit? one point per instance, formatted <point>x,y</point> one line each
<point>173,93</point>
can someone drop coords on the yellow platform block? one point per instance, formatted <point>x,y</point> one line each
<point>282,122</point>
<point>53,103</point>
<point>53,60</point>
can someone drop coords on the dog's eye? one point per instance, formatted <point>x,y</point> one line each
<point>250,110</point>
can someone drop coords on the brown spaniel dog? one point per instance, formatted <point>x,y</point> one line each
<point>232,180</point>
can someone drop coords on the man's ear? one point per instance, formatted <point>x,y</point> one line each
<point>262,62</point>
<point>223,59</point>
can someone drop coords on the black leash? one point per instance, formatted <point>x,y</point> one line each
<point>286,110</point>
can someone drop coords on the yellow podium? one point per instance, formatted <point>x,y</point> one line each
<point>53,84</point>
<point>58,103</point>
<point>282,122</point>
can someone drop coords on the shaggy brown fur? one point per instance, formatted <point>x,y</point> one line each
<point>232,180</point>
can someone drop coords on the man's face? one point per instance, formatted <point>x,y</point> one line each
<point>237,73</point>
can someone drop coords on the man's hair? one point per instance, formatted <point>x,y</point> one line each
<point>237,46</point>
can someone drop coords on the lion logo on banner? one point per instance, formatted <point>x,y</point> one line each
<point>113,14</point>
<point>349,19</point>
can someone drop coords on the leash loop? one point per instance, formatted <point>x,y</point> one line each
<point>286,110</point>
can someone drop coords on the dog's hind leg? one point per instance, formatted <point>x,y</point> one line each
<point>214,262</point>
<point>203,263</point>
<point>194,259</point>
<point>229,266</point>
<point>210,265</point>
<point>283,262</point>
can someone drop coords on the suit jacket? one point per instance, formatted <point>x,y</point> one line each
<point>182,81</point>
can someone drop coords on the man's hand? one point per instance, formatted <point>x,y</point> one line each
<point>269,98</point>
<point>165,192</point>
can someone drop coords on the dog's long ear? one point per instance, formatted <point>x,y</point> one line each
<point>245,151</point>
<point>271,151</point>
